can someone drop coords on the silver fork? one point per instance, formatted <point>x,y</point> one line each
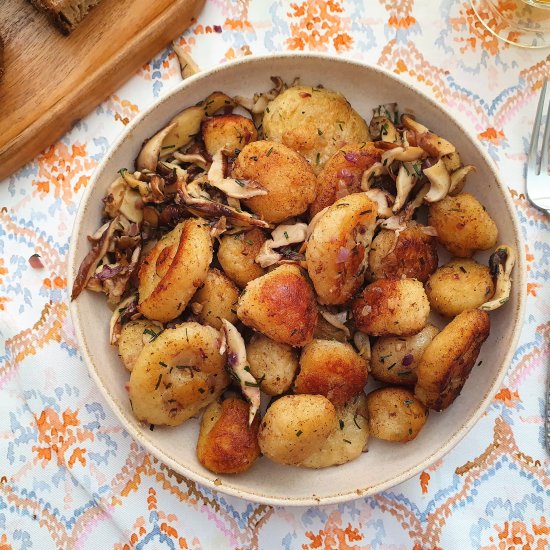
<point>538,192</point>
<point>538,180</point>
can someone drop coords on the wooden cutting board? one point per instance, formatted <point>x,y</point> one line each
<point>51,81</point>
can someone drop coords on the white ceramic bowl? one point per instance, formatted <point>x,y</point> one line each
<point>385,464</point>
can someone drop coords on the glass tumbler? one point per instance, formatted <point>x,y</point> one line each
<point>524,23</point>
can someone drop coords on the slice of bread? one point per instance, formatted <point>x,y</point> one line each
<point>66,14</point>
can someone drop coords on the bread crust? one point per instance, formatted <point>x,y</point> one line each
<point>65,14</point>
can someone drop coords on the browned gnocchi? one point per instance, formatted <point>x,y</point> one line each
<point>391,307</point>
<point>216,299</point>
<point>337,249</point>
<point>227,444</point>
<point>173,270</point>
<point>395,414</point>
<point>349,438</point>
<point>296,426</point>
<point>411,253</point>
<point>459,285</point>
<point>332,369</point>
<point>342,174</point>
<point>463,225</point>
<point>315,122</point>
<point>236,256</point>
<point>228,132</point>
<point>274,365</point>
<point>281,305</point>
<point>449,358</point>
<point>394,359</point>
<point>287,176</point>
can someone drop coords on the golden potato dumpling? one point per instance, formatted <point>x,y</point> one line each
<point>174,269</point>
<point>218,299</point>
<point>133,337</point>
<point>227,444</point>
<point>412,254</point>
<point>342,174</point>
<point>228,132</point>
<point>287,176</point>
<point>463,225</point>
<point>237,255</point>
<point>388,307</point>
<point>394,359</point>
<point>296,426</point>
<point>348,440</point>
<point>316,122</point>
<point>274,365</point>
<point>281,305</point>
<point>337,249</point>
<point>332,369</point>
<point>449,359</point>
<point>395,414</point>
<point>178,374</point>
<point>459,285</point>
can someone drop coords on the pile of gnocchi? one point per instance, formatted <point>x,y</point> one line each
<point>267,256</point>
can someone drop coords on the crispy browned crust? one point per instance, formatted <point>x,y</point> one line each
<point>449,359</point>
<point>59,16</point>
<point>388,307</point>
<point>231,446</point>
<point>343,171</point>
<point>291,301</point>
<point>287,176</point>
<point>414,257</point>
<point>281,305</point>
<point>166,265</point>
<point>332,369</point>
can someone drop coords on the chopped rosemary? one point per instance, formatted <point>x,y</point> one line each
<point>151,333</point>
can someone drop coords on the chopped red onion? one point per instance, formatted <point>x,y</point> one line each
<point>407,360</point>
<point>343,255</point>
<point>351,156</point>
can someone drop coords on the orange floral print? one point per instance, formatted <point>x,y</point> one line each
<point>124,110</point>
<point>165,520</point>
<point>63,170</point>
<point>424,480</point>
<point>333,536</point>
<point>318,25</point>
<point>4,545</point>
<point>3,299</point>
<point>492,135</point>
<point>516,535</point>
<point>507,397</point>
<point>58,436</point>
<point>471,32</point>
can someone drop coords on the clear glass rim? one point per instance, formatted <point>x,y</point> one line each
<point>513,33</point>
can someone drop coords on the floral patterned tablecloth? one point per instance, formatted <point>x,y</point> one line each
<point>71,477</point>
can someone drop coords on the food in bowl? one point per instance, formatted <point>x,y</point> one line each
<point>247,255</point>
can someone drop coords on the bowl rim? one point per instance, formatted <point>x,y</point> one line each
<point>450,443</point>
